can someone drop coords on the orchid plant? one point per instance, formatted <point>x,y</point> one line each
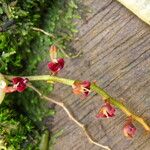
<point>10,84</point>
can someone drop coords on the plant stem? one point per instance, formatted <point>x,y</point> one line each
<point>119,105</point>
<point>45,78</point>
<point>71,116</point>
<point>44,32</point>
<point>56,43</point>
<point>94,88</point>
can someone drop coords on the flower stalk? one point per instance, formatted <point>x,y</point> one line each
<point>94,88</point>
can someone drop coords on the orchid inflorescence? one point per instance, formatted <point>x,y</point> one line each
<point>83,88</point>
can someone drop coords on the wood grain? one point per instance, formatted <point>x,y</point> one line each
<point>116,53</point>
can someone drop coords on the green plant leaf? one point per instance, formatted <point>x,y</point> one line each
<point>1,11</point>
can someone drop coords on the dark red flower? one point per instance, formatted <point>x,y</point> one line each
<point>129,129</point>
<point>57,65</point>
<point>81,88</point>
<point>19,83</point>
<point>106,111</point>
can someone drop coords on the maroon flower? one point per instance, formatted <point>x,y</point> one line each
<point>129,129</point>
<point>57,65</point>
<point>19,83</point>
<point>106,111</point>
<point>81,88</point>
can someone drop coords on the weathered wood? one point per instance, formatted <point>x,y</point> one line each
<point>116,47</point>
<point>141,8</point>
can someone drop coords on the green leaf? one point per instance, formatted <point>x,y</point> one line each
<point>5,55</point>
<point>72,4</point>
<point>1,11</point>
<point>44,141</point>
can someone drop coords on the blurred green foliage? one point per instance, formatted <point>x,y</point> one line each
<point>21,49</point>
<point>16,39</point>
<point>59,22</point>
<point>17,130</point>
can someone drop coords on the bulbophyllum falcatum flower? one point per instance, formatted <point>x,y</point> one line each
<point>81,88</point>
<point>19,84</point>
<point>129,129</point>
<point>56,64</point>
<point>106,111</point>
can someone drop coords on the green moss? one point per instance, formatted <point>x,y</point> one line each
<point>21,50</point>
<point>17,130</point>
<point>17,19</point>
<point>59,22</point>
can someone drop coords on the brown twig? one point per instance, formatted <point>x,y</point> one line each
<point>71,116</point>
<point>44,32</point>
<point>57,43</point>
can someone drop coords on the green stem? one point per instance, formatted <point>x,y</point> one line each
<point>45,78</point>
<point>107,97</point>
<point>94,88</point>
<point>119,105</point>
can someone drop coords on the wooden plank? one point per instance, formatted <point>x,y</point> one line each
<point>116,47</point>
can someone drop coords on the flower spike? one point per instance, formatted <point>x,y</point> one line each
<point>106,111</point>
